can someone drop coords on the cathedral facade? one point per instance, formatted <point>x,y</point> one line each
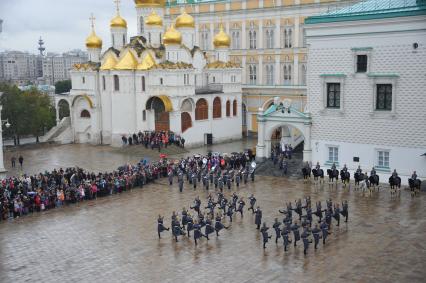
<point>156,80</point>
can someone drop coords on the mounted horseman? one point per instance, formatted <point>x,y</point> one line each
<point>395,183</point>
<point>345,176</point>
<point>333,174</point>
<point>318,173</point>
<point>306,171</point>
<point>414,183</point>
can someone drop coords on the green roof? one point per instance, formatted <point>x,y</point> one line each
<point>371,9</point>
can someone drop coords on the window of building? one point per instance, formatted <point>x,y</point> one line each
<point>217,108</point>
<point>234,108</point>
<point>361,63</point>
<point>161,81</point>
<point>228,108</point>
<point>304,71</point>
<point>201,110</point>
<point>252,39</point>
<point>287,74</point>
<point>333,95</point>
<point>116,83</point>
<point>149,37</point>
<point>124,40</point>
<point>288,42</point>
<point>103,83</point>
<point>233,79</point>
<point>383,158</point>
<point>244,115</point>
<point>144,115</point>
<point>143,83</point>
<point>384,97</point>
<point>236,40</point>
<point>142,28</point>
<point>252,74</point>
<point>85,114</point>
<point>333,154</point>
<point>83,80</point>
<point>270,38</point>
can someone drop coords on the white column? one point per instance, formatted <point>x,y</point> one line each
<point>260,67</point>
<point>307,149</point>
<point>277,69</point>
<point>260,41</point>
<point>296,32</point>
<point>2,169</point>
<point>227,27</point>
<point>244,73</point>
<point>277,33</point>
<point>57,114</point>
<point>296,69</point>
<point>260,148</point>
<point>243,35</point>
<point>197,34</point>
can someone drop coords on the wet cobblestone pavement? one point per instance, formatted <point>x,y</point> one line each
<point>114,239</point>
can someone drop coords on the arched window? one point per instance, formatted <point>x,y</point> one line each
<point>103,83</point>
<point>141,21</point>
<point>85,114</point>
<point>228,108</point>
<point>269,74</point>
<point>201,110</point>
<point>186,121</point>
<point>116,83</point>
<point>217,108</point>
<point>252,74</point>
<point>143,83</point>
<point>244,115</point>
<point>124,40</point>
<point>234,108</point>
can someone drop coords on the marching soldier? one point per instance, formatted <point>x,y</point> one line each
<point>230,211</point>
<point>337,214</point>
<point>184,217</point>
<point>345,210</point>
<point>238,179</point>
<point>197,204</point>
<point>277,229</point>
<point>245,175</point>
<point>252,203</point>
<point>160,226</point>
<point>318,211</point>
<point>189,224</point>
<point>286,239</point>
<point>234,200</point>
<point>177,230</point>
<point>296,233</point>
<point>306,240</point>
<point>241,205</point>
<point>228,183</point>
<point>265,234</point>
<point>197,232</point>
<point>209,228</point>
<point>223,204</point>
<point>324,229</point>
<point>316,233</point>
<point>218,225</point>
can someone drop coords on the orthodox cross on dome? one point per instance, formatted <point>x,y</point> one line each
<point>117,6</point>
<point>92,20</point>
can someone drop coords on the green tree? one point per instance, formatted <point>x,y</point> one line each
<point>63,86</point>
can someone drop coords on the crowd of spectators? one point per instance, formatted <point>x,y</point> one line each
<point>153,139</point>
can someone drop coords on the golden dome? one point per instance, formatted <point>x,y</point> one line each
<point>172,36</point>
<point>150,3</point>
<point>109,62</point>
<point>93,41</point>
<point>185,20</point>
<point>118,22</point>
<point>127,62</point>
<point>154,20</point>
<point>222,39</point>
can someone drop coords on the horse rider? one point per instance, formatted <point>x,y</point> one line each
<point>345,169</point>
<point>359,170</point>
<point>394,174</point>
<point>373,172</point>
<point>414,176</point>
<point>317,167</point>
<point>333,167</point>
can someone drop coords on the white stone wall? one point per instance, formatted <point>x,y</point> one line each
<point>357,128</point>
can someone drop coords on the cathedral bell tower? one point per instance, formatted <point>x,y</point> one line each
<point>118,27</point>
<point>143,9</point>
<point>94,44</point>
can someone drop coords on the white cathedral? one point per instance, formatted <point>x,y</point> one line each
<point>157,80</point>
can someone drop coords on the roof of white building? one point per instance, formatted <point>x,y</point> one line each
<point>371,9</point>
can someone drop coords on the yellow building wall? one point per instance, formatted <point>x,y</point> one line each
<point>254,122</point>
<point>252,4</point>
<point>236,5</point>
<point>203,8</point>
<point>287,2</point>
<point>219,7</point>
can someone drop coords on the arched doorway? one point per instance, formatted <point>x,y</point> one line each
<point>63,109</point>
<point>161,107</point>
<point>186,121</point>
<point>282,116</point>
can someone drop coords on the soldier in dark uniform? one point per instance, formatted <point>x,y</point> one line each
<point>277,229</point>
<point>414,176</point>
<point>317,167</point>
<point>265,234</point>
<point>189,224</point>
<point>305,237</point>
<point>245,175</point>
<point>201,221</point>
<point>359,170</point>
<point>308,217</point>
<point>197,204</point>
<point>184,217</point>
<point>206,182</point>
<point>220,183</point>
<point>238,179</point>
<point>218,224</point>
<point>241,205</point>
<point>337,214</point>
<point>230,211</point>
<point>180,182</point>
<point>333,167</point>
<point>197,232</point>
<point>373,172</point>
<point>160,226</point>
<point>318,211</point>
<point>296,233</point>
<point>345,210</point>
<point>258,217</point>
<point>223,204</point>
<point>252,174</point>
<point>286,238</point>
<point>324,229</point>
<point>328,217</point>
<point>252,203</point>
<point>299,209</point>
<point>216,180</point>
<point>234,201</point>
<point>211,206</point>
<point>209,228</point>
<point>316,233</point>
<point>177,230</point>
<point>228,183</point>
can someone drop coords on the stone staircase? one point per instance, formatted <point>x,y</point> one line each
<point>53,133</point>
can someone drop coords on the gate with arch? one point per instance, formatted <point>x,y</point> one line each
<point>161,105</point>
<point>282,114</point>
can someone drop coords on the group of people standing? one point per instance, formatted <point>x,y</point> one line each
<point>280,155</point>
<point>153,139</point>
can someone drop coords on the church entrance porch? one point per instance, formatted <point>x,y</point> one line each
<point>160,107</point>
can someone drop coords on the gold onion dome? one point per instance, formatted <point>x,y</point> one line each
<point>222,39</point>
<point>172,36</point>
<point>118,22</point>
<point>185,20</point>
<point>150,3</point>
<point>93,41</point>
<point>154,19</point>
